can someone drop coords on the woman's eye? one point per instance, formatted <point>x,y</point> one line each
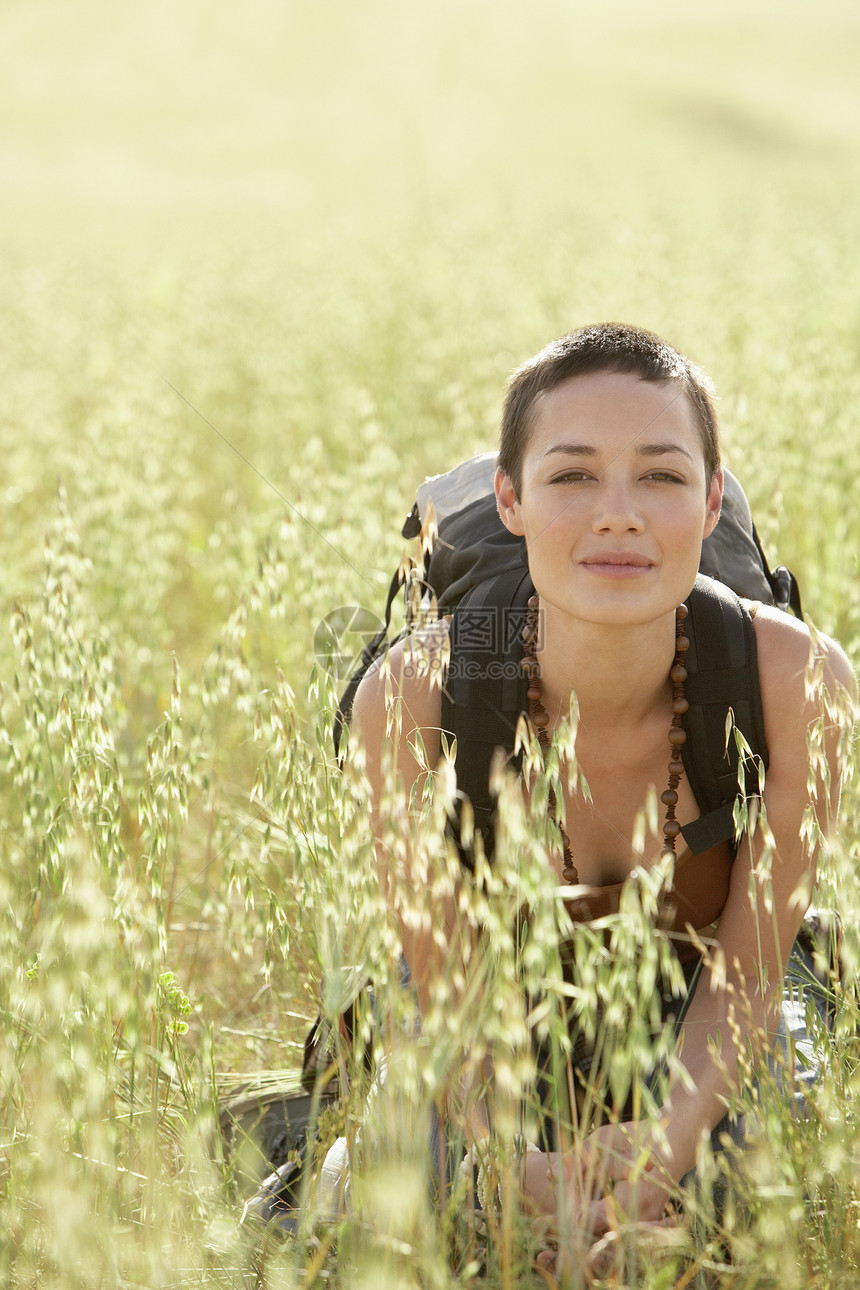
<point>665,477</point>
<point>572,477</point>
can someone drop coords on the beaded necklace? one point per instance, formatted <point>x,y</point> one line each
<point>677,735</point>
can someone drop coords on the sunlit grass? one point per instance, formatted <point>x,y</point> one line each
<point>263,268</point>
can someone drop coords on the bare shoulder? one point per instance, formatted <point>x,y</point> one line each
<point>805,678</point>
<point>401,694</point>
<point>795,662</point>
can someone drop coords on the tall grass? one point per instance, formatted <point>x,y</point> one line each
<point>262,270</point>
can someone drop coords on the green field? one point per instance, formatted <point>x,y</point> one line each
<point>262,268</point>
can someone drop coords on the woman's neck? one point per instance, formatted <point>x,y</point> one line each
<point>619,674</point>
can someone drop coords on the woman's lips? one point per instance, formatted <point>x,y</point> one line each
<point>625,564</point>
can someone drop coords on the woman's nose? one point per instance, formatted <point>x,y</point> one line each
<point>616,510</point>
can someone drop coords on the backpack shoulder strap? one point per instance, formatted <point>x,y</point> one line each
<point>376,646</point>
<point>485,687</point>
<point>722,672</point>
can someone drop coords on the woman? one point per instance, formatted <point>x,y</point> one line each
<point>609,468</point>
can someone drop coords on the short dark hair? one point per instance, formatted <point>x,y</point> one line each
<point>605,347</point>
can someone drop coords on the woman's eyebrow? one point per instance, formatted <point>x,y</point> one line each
<point>662,450</point>
<point>642,450</point>
<point>573,450</point>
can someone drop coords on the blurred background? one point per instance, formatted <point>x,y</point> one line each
<point>331,231</point>
<point>262,268</point>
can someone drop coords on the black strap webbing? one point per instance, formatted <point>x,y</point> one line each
<point>485,688</point>
<point>372,650</point>
<point>722,677</point>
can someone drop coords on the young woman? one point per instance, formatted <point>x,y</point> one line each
<point>609,468</point>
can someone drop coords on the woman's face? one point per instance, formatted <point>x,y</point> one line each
<point>614,502</point>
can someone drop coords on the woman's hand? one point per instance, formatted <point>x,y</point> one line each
<point>611,1181</point>
<point>610,1178</point>
<point>620,1166</point>
<point>546,1186</point>
<point>540,1189</point>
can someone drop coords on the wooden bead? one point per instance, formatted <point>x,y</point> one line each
<point>540,719</point>
<point>534,602</point>
<point>682,644</point>
<point>681,612</point>
<point>678,672</point>
<point>570,875</point>
<point>677,736</point>
<point>680,705</point>
<point>671,829</point>
<point>669,798</point>
<point>676,769</point>
<point>533,692</point>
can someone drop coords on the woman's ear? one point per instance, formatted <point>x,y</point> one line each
<point>507,504</point>
<point>714,502</point>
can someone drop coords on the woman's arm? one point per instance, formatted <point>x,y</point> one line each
<point>395,730</point>
<point>805,686</point>
<point>396,714</point>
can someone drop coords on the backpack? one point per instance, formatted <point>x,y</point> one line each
<point>473,568</point>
